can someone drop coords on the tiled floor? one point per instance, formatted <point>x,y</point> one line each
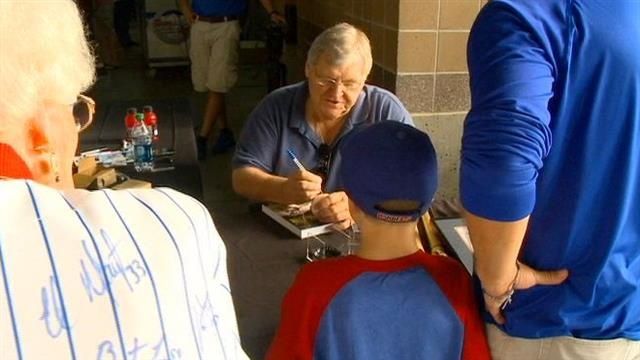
<point>133,81</point>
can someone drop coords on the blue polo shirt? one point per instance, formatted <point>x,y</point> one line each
<point>278,123</point>
<point>554,134</point>
<point>219,7</point>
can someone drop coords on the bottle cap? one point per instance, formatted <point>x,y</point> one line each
<point>132,111</point>
<point>140,116</point>
<point>147,108</point>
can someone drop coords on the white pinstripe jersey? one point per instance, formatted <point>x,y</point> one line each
<point>137,274</point>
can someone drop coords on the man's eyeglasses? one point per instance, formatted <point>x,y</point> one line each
<point>83,110</point>
<point>330,83</point>
<point>326,82</point>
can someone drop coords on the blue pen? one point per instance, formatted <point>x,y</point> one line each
<point>295,160</point>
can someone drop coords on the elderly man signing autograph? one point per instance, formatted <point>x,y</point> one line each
<point>308,121</point>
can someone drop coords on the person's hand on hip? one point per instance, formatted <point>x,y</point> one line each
<point>525,277</point>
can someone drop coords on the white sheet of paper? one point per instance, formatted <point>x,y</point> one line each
<point>463,232</point>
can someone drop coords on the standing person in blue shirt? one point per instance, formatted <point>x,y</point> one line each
<point>311,118</point>
<point>550,176</point>
<point>215,35</point>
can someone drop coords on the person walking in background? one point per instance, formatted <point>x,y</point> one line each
<point>390,300</point>
<point>550,176</point>
<point>109,49</point>
<point>214,41</point>
<point>123,11</point>
<point>132,274</point>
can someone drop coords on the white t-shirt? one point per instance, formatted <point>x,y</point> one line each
<point>137,274</point>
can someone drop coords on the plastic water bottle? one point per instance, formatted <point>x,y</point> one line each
<point>142,140</point>
<point>130,122</point>
<point>151,120</point>
<point>127,150</point>
<point>127,142</point>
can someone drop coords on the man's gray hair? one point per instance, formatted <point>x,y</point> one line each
<point>338,43</point>
<point>44,57</point>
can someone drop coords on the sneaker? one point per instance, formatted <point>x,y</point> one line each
<point>201,145</point>
<point>224,143</point>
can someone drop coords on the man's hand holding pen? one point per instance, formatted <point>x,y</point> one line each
<point>302,186</point>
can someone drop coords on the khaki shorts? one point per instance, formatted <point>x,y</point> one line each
<point>214,55</point>
<point>505,347</point>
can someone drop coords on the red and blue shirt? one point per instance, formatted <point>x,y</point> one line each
<point>419,306</point>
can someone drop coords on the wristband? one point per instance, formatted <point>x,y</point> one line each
<point>504,299</point>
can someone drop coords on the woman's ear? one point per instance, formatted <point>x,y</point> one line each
<point>40,155</point>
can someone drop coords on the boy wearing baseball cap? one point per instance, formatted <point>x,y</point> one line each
<point>390,300</point>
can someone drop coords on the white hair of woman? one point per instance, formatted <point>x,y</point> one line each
<point>45,63</point>
<point>338,43</point>
<point>45,58</point>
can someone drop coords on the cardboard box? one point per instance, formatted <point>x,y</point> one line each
<point>87,166</point>
<point>91,176</point>
<point>104,178</point>
<point>82,181</point>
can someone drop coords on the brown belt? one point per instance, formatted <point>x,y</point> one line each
<point>216,19</point>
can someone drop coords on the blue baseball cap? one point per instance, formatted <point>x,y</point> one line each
<point>388,161</point>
